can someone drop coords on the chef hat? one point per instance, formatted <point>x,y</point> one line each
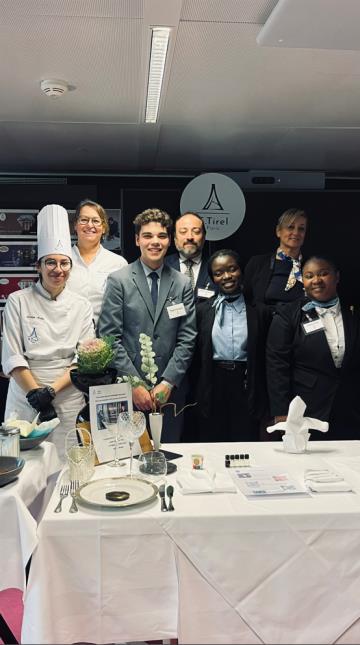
<point>53,231</point>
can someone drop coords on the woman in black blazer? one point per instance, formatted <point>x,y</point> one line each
<point>228,371</point>
<point>313,351</point>
<point>275,278</point>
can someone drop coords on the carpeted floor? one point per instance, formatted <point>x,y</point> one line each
<point>11,608</point>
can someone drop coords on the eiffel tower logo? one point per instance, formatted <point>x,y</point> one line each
<point>213,202</point>
<point>33,338</point>
<point>59,245</point>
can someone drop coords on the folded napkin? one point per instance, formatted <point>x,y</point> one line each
<point>326,480</point>
<point>297,426</point>
<point>202,481</point>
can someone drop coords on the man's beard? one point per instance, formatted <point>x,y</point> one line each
<point>190,251</point>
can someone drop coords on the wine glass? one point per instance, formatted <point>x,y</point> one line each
<point>153,465</point>
<point>115,431</point>
<point>133,425</point>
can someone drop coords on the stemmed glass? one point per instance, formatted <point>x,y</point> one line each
<point>133,425</point>
<point>115,431</point>
<point>153,466</point>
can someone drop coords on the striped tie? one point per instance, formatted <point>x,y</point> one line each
<point>189,272</point>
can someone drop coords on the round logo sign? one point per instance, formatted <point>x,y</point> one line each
<point>218,200</point>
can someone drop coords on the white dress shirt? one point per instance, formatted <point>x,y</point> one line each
<point>334,331</point>
<point>196,263</point>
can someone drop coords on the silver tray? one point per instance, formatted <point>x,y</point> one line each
<point>93,493</point>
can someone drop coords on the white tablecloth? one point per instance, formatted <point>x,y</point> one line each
<point>18,537</point>
<point>220,569</point>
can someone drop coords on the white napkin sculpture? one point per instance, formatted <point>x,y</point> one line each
<point>203,481</point>
<point>297,426</point>
<point>26,428</point>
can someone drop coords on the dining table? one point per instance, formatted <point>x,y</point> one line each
<point>223,567</point>
<point>20,506</point>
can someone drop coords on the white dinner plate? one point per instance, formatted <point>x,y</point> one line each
<point>139,491</point>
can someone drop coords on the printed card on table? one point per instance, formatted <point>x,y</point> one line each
<point>106,403</point>
<point>264,482</point>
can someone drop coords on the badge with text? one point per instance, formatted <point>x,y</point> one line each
<point>176,311</point>
<point>205,293</point>
<point>313,326</point>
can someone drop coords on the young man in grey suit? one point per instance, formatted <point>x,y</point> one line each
<point>141,298</point>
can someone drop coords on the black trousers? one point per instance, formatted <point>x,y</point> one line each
<point>230,419</point>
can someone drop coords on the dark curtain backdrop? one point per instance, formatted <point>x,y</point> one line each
<point>334,218</point>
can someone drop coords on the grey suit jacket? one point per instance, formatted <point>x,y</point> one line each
<point>128,310</point>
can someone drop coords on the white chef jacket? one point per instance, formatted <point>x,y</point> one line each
<point>89,280</point>
<point>42,334</point>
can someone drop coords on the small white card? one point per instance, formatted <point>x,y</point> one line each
<point>176,311</point>
<point>313,325</point>
<point>205,293</point>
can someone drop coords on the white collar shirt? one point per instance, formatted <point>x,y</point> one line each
<point>334,331</point>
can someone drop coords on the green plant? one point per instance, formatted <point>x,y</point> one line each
<point>94,355</point>
<point>148,368</point>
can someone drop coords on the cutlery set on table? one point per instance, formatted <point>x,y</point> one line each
<point>64,492</point>
<point>170,493</point>
<point>114,492</point>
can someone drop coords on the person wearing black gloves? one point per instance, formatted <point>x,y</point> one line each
<point>42,326</point>
<point>41,399</point>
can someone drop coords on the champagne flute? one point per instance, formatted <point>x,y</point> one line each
<point>115,431</point>
<point>133,426</point>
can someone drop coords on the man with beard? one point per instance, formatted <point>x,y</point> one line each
<point>190,260</point>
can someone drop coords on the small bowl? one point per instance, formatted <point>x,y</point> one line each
<point>29,443</point>
<point>10,467</point>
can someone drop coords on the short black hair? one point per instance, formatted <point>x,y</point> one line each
<point>222,253</point>
<point>321,258</point>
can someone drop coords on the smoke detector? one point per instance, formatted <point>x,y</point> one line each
<point>54,87</point>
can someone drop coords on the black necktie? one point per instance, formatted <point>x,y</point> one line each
<point>154,287</point>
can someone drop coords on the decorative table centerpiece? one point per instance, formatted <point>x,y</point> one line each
<point>94,356</point>
<point>150,369</point>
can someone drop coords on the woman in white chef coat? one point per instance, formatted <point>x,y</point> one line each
<point>42,326</point>
<point>92,263</point>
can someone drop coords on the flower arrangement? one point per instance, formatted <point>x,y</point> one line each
<point>149,369</point>
<point>148,366</point>
<point>94,355</point>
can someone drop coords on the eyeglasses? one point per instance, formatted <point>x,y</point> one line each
<point>65,265</point>
<point>88,220</point>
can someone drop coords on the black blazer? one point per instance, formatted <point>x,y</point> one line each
<point>201,381</point>
<point>302,364</point>
<point>203,282</point>
<point>257,275</point>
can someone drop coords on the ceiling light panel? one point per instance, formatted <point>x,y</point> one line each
<point>159,48</point>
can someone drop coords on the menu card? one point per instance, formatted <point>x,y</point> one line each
<point>266,482</point>
<point>106,403</point>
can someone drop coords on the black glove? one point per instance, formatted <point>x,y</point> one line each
<point>47,414</point>
<point>40,397</point>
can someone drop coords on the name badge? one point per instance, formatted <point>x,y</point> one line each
<point>312,326</point>
<point>205,293</point>
<point>176,311</point>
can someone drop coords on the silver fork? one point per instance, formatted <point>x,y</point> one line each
<point>64,491</point>
<point>74,485</point>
